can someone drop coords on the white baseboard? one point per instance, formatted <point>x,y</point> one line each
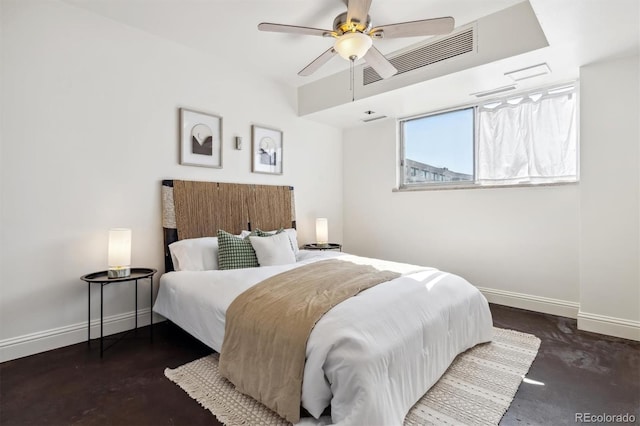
<point>29,344</point>
<point>546,305</point>
<point>610,326</point>
<point>595,323</point>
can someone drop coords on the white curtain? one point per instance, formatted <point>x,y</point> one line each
<point>532,139</point>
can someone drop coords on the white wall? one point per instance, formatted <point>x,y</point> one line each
<point>556,249</point>
<point>610,197</point>
<point>89,129</point>
<point>508,240</point>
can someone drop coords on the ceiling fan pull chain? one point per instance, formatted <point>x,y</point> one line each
<point>352,82</point>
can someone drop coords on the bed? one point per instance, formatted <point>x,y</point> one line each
<point>371,357</point>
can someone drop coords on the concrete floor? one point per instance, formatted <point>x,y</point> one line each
<point>578,372</point>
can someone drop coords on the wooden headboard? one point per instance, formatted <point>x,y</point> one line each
<point>192,209</point>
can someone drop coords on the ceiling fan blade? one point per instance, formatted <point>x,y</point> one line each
<point>425,27</point>
<point>378,62</point>
<point>318,62</point>
<point>358,10</point>
<point>293,29</point>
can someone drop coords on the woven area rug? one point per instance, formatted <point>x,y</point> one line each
<point>477,389</point>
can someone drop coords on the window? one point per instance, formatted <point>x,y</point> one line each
<point>440,146</point>
<point>526,139</point>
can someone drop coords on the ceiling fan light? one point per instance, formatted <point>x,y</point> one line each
<point>353,45</point>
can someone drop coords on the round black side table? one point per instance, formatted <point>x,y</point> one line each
<point>102,279</point>
<point>328,246</point>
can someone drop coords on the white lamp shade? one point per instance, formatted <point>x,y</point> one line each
<point>119,247</point>
<point>322,230</point>
<point>353,45</point>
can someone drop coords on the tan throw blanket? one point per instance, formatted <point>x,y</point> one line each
<point>267,328</point>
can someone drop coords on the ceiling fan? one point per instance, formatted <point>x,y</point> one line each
<point>354,36</point>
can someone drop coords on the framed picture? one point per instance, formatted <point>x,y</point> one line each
<point>200,139</point>
<point>266,150</point>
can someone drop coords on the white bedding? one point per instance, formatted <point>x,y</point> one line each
<point>372,356</point>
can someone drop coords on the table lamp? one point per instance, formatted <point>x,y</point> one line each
<point>322,231</point>
<point>119,253</point>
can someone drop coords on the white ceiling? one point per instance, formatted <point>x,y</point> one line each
<point>579,32</point>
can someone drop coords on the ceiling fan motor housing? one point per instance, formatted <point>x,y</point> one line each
<point>341,26</point>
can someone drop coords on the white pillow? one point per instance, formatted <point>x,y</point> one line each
<point>291,233</point>
<point>274,250</point>
<point>195,254</point>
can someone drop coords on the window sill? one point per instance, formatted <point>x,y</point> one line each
<point>444,187</point>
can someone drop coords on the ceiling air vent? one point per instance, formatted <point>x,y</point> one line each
<point>368,120</point>
<point>445,48</point>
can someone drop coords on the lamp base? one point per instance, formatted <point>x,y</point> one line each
<point>322,244</point>
<point>122,272</point>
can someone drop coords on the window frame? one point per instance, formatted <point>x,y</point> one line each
<point>435,185</point>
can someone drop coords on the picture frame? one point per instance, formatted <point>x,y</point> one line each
<point>266,150</point>
<point>200,139</point>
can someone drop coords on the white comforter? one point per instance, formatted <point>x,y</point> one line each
<point>372,356</point>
